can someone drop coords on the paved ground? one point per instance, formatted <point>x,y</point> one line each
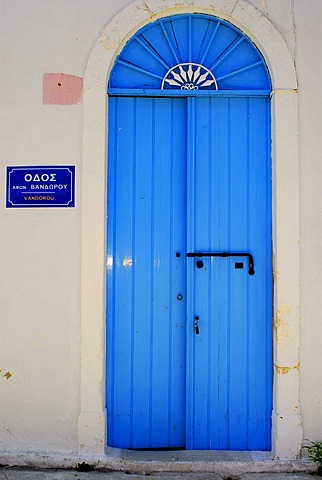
<point>24,474</point>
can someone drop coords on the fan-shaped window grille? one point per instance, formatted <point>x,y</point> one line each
<point>189,53</point>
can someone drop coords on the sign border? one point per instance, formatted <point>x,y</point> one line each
<point>70,203</point>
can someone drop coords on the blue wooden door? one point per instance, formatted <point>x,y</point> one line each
<point>189,337</point>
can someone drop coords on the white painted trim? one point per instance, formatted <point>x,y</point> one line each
<point>286,415</point>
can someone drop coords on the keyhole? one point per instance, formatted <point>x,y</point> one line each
<point>199,263</point>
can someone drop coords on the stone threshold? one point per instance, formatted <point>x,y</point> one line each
<point>224,463</point>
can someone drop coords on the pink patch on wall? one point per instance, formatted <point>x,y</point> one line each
<point>61,89</point>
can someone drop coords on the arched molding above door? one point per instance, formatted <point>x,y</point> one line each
<point>286,415</point>
<point>241,14</point>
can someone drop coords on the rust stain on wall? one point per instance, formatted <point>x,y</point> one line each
<point>61,89</point>
<point>285,370</point>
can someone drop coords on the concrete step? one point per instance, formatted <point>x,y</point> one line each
<point>25,474</point>
<point>278,476</point>
<point>22,474</point>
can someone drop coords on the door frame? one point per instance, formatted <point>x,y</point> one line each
<point>285,185</point>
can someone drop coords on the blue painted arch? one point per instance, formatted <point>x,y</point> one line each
<point>190,52</point>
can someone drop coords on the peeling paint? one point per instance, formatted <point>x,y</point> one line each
<point>281,327</point>
<point>284,309</point>
<point>105,42</point>
<point>286,370</point>
<point>147,9</point>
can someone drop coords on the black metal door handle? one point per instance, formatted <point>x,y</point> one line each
<point>250,257</point>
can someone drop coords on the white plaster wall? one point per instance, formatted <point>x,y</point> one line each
<point>40,248</point>
<point>309,67</point>
<point>280,13</point>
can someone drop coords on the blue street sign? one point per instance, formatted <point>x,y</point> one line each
<point>50,186</point>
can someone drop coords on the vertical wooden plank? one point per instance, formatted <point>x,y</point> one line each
<point>201,276</point>
<point>168,409</point>
<point>178,202</point>
<point>238,285</point>
<point>160,304</point>
<point>260,359</point>
<point>120,277</point>
<point>269,286</point>
<point>141,379</point>
<point>220,227</point>
<point>110,277</point>
<point>212,228</point>
<point>190,345</point>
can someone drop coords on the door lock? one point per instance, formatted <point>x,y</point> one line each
<point>196,325</point>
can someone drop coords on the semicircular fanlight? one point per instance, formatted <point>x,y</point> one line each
<point>190,52</point>
<point>189,76</point>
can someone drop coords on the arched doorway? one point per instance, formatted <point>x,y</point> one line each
<point>189,289</point>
